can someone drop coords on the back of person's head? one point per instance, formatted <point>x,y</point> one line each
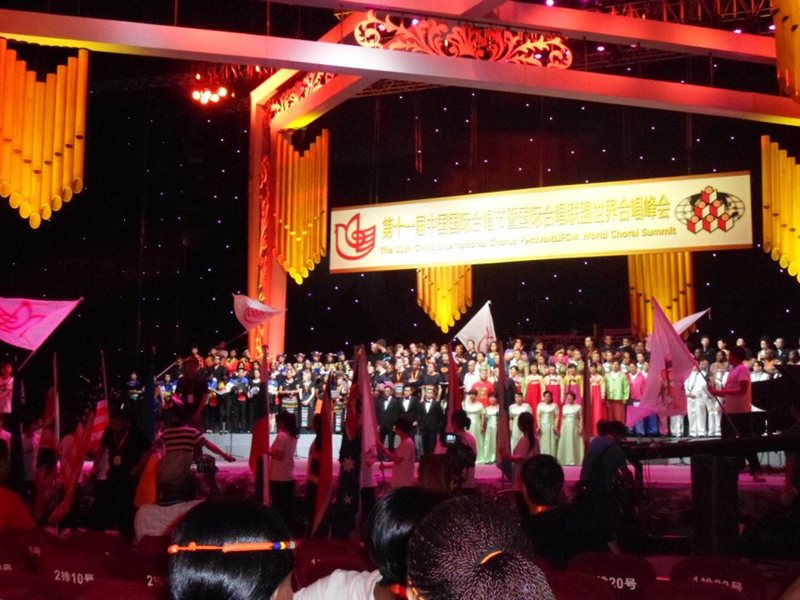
<point>617,429</point>
<point>288,423</point>
<point>739,353</point>
<point>602,426</point>
<point>461,420</point>
<point>403,424</point>
<point>211,574</point>
<point>466,548</point>
<point>544,479</point>
<point>175,417</point>
<point>525,425</point>
<point>389,527</point>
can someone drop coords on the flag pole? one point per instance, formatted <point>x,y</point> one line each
<point>103,373</point>
<point>30,356</point>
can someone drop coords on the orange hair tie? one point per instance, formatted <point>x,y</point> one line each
<point>489,556</point>
<point>238,547</point>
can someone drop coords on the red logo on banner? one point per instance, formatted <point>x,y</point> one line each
<point>352,242</point>
<point>20,321</point>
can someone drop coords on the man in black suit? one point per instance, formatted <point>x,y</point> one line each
<point>387,411</point>
<point>430,417</point>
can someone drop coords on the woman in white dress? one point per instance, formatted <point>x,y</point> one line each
<point>475,411</point>
<point>547,424</point>
<point>514,411</point>
<point>570,443</point>
<point>490,416</point>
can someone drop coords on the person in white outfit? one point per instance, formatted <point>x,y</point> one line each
<point>697,400</point>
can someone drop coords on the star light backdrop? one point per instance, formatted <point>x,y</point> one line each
<point>158,242</point>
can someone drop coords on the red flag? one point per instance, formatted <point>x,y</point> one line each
<point>100,423</point>
<point>259,443</point>
<point>503,448</point>
<point>351,419</point>
<point>27,323</point>
<point>455,394</point>
<point>71,468</point>
<point>325,476</point>
<point>670,366</point>
<point>369,423</point>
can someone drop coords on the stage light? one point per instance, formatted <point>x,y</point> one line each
<point>737,30</point>
<point>601,48</point>
<point>196,95</point>
<point>550,2</point>
<point>197,76</point>
<point>215,98</point>
<point>415,21</point>
<point>222,91</point>
<point>772,27</point>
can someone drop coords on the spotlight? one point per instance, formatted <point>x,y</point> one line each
<point>737,30</point>
<point>772,27</point>
<point>197,76</point>
<point>601,48</point>
<point>215,98</point>
<point>222,91</point>
<point>196,95</point>
<point>550,2</point>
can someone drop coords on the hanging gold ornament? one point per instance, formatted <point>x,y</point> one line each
<point>445,293</point>
<point>780,177</point>
<point>42,134</point>
<point>666,276</point>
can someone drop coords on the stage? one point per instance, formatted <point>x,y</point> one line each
<point>668,474</point>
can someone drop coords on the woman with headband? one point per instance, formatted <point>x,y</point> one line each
<point>231,549</point>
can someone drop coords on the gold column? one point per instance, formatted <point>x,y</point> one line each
<point>780,214</point>
<point>669,278</point>
<point>42,133</point>
<point>445,293</point>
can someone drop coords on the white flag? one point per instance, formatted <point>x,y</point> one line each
<point>686,322</point>
<point>670,365</point>
<point>480,330</point>
<point>251,312</point>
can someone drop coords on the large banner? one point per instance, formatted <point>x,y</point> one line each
<point>699,212</point>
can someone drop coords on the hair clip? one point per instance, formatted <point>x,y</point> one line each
<point>489,556</point>
<point>237,547</point>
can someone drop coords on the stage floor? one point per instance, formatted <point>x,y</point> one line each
<point>666,474</point>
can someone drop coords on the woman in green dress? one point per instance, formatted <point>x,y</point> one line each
<point>570,442</point>
<point>547,421</point>
<point>491,414</point>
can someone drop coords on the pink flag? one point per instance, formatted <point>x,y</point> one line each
<point>27,323</point>
<point>252,313</point>
<point>670,365</point>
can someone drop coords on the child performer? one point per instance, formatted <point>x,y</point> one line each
<point>598,396</point>
<point>573,382</point>
<point>554,384</point>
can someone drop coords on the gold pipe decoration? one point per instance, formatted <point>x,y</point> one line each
<point>301,205</point>
<point>27,144</point>
<point>48,136</point>
<point>445,293</point>
<point>69,129</point>
<point>666,276</point>
<point>42,134</point>
<point>58,136</point>
<point>786,17</point>
<point>780,214</point>
<point>15,190</point>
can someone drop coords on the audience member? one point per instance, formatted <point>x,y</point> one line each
<point>556,531</point>
<point>466,548</point>
<point>231,549</point>
<point>386,533</point>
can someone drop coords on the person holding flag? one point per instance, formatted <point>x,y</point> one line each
<point>737,393</point>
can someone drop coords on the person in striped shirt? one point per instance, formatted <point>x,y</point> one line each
<point>179,444</point>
